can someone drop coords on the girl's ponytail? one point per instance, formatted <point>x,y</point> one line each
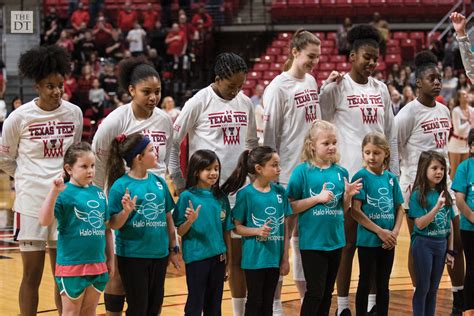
<point>238,176</point>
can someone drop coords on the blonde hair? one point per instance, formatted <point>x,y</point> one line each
<point>300,40</point>
<point>379,140</point>
<point>308,154</point>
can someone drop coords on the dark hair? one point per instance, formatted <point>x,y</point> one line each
<point>470,140</point>
<point>246,165</point>
<point>421,181</point>
<point>200,160</point>
<point>134,70</point>
<point>121,146</point>
<point>363,34</point>
<point>424,60</point>
<point>300,40</point>
<point>228,64</point>
<point>40,62</point>
<point>72,153</point>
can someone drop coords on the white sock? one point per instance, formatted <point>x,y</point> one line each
<point>342,304</point>
<point>371,302</point>
<point>414,288</point>
<point>277,308</point>
<point>457,288</point>
<point>238,306</point>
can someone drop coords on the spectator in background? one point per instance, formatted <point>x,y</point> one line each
<point>65,41</point>
<point>84,47</point>
<point>341,37</point>
<point>136,39</point>
<point>436,47</point>
<point>109,82</point>
<point>97,97</point>
<point>70,86</point>
<point>95,7</point>
<point>157,61</point>
<point>463,83</point>
<point>257,95</point>
<point>3,79</point>
<point>51,35</point>
<point>156,38</point>
<point>411,79</point>
<point>84,84</point>
<point>408,95</point>
<point>150,16</point>
<point>102,35</point>
<point>176,44</point>
<point>127,18</point>
<point>451,48</point>
<point>50,17</point>
<point>79,16</point>
<point>16,103</point>
<point>382,27</point>
<point>168,105</point>
<point>458,148</point>
<point>186,28</point>
<point>449,84</point>
<point>116,47</point>
<point>397,101</point>
<point>204,16</point>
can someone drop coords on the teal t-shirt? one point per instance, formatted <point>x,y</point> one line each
<point>253,209</point>
<point>380,195</point>
<point>440,227</point>
<point>81,213</point>
<point>322,226</point>
<point>205,238</point>
<point>145,233</point>
<point>464,183</point>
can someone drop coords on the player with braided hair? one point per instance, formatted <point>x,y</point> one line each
<point>35,138</point>
<point>220,118</point>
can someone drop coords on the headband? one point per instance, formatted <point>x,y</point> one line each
<point>139,148</point>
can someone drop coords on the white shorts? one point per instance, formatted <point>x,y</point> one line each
<point>32,236</point>
<point>298,273</point>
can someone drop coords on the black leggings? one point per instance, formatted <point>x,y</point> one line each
<point>320,271</point>
<point>261,286</point>
<point>374,262</point>
<point>467,238</point>
<point>144,284</point>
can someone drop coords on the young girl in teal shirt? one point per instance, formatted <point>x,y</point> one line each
<point>320,195</point>
<point>378,210</point>
<point>202,216</point>
<point>259,217</point>
<point>145,235</point>
<point>82,267</point>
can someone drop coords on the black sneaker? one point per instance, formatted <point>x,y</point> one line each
<point>458,302</point>
<point>345,312</point>
<point>373,311</point>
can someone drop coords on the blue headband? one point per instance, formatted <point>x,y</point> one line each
<point>138,149</point>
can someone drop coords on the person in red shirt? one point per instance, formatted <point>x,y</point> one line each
<point>79,16</point>
<point>204,16</point>
<point>126,18</point>
<point>176,42</point>
<point>102,35</point>
<point>150,16</point>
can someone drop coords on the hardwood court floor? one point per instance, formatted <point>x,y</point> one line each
<point>175,288</point>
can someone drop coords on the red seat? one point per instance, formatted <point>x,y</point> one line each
<point>269,75</point>
<point>391,59</point>
<point>256,75</point>
<point>276,67</point>
<point>338,59</point>
<point>295,2</point>
<point>327,43</point>
<point>378,2</point>
<point>326,50</point>
<point>326,66</point>
<point>285,36</point>
<point>273,50</point>
<point>281,58</point>
<point>322,75</point>
<point>331,36</point>
<point>400,35</point>
<point>320,35</point>
<point>323,58</point>
<point>267,59</point>
<point>88,113</point>
<point>361,3</point>
<point>393,50</point>
<point>280,43</point>
<point>87,129</point>
<point>107,111</point>
<point>393,42</point>
<point>419,37</point>
<point>249,84</point>
<point>311,4</point>
<point>343,67</point>
<point>381,66</point>
<point>260,67</point>
<point>412,2</point>
<point>408,48</point>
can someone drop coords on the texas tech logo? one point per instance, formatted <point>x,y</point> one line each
<point>53,148</point>
<point>369,115</point>
<point>440,139</point>
<point>309,100</point>
<point>231,135</point>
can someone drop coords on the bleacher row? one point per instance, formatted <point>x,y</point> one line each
<point>401,48</point>
<point>112,7</point>
<point>320,10</point>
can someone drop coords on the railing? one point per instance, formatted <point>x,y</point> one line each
<point>444,19</point>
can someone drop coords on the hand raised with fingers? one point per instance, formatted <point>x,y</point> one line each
<point>264,230</point>
<point>352,188</point>
<point>459,23</point>
<point>191,214</point>
<point>441,201</point>
<point>335,76</point>
<point>58,184</point>
<point>128,204</point>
